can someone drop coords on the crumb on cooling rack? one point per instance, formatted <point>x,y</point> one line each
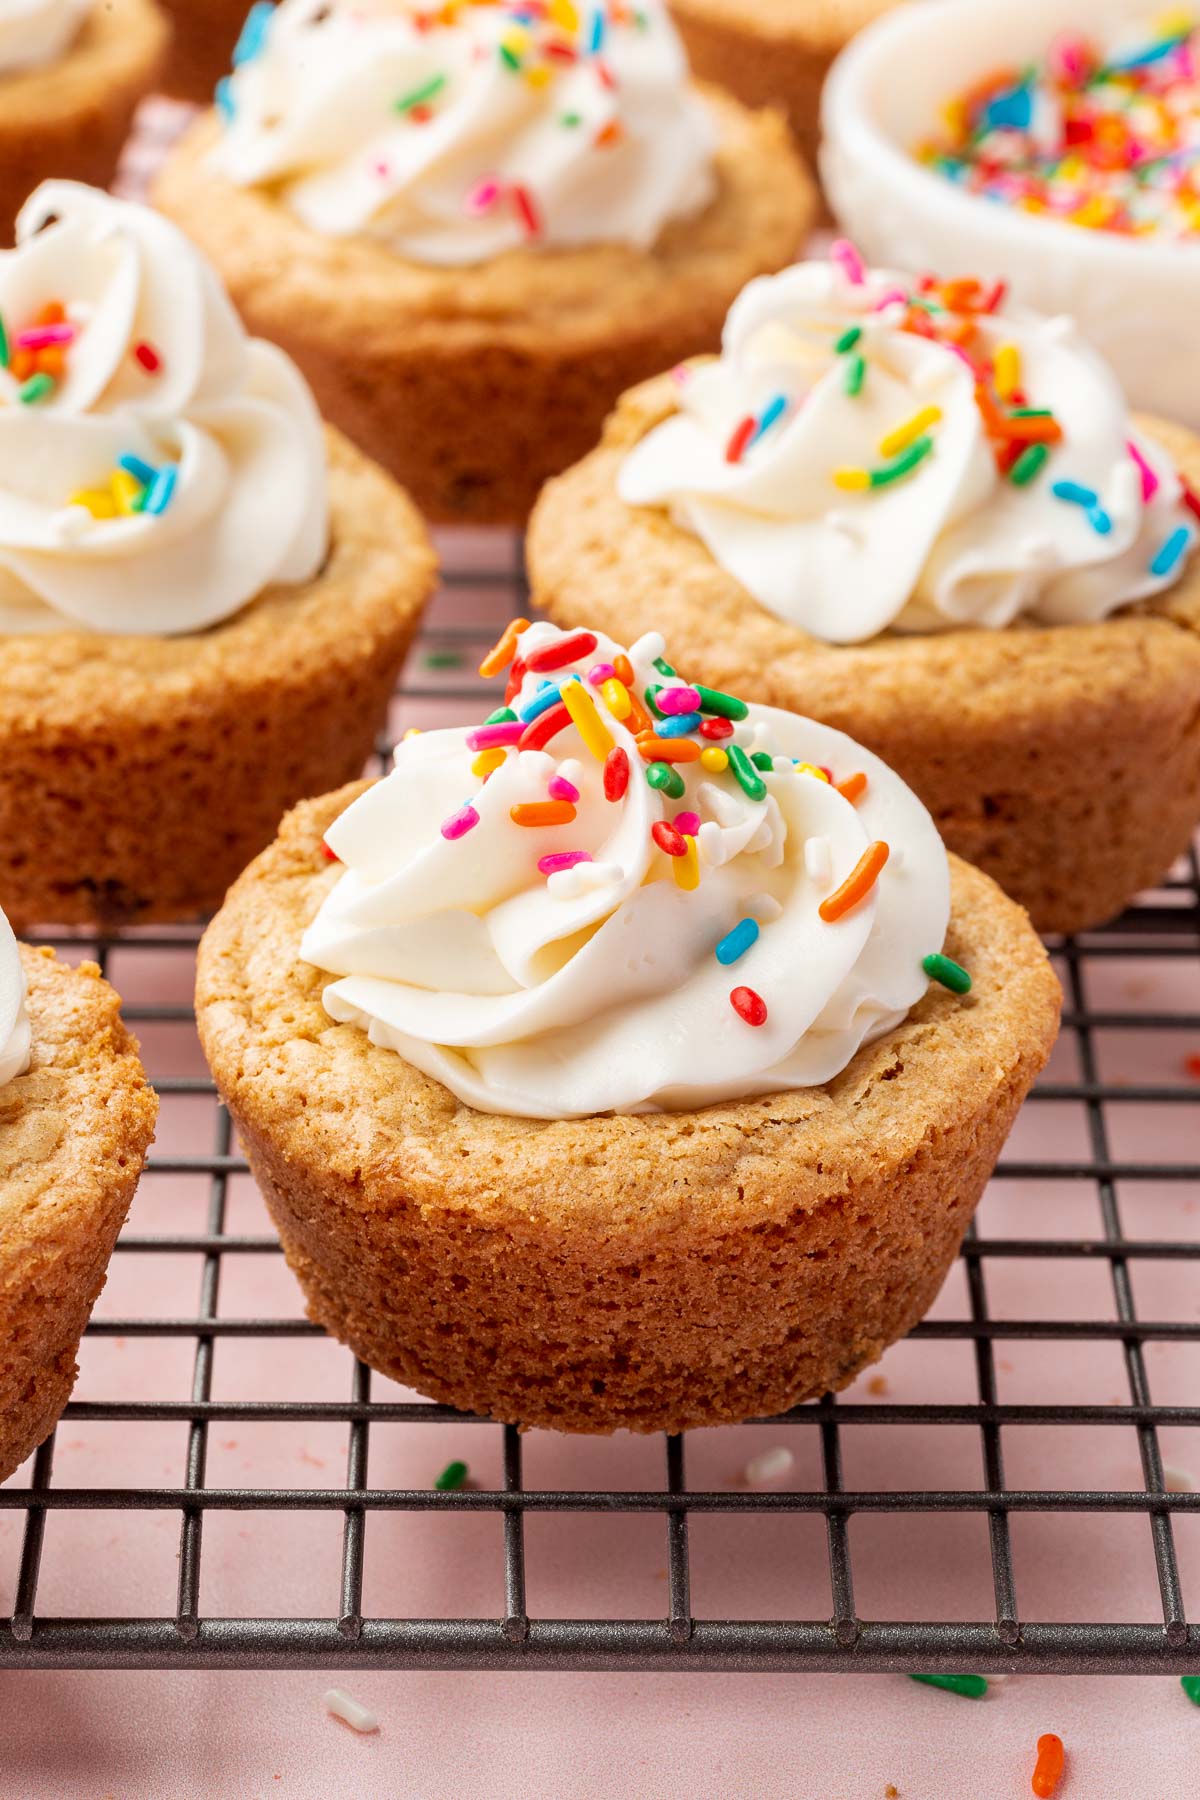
<point>771,1466</point>
<point>345,1707</point>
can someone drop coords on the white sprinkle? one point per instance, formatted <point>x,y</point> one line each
<point>343,1706</point>
<point>648,648</point>
<point>818,861</point>
<point>72,522</point>
<point>572,884</point>
<point>80,312</point>
<point>711,840</point>
<point>765,908</point>
<point>572,771</point>
<point>721,804</point>
<point>784,765</point>
<point>1058,329</point>
<point>771,1466</point>
<point>1178,1481</point>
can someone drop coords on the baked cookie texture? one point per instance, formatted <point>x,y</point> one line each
<point>654,1272</point>
<point>474,385</point>
<point>773,52</point>
<point>71,118</point>
<point>203,35</point>
<point>74,1133</point>
<point>139,775</point>
<point>1064,761</point>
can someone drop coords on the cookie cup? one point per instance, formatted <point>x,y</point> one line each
<point>474,385</point>
<point>74,1133</point>
<point>139,775</point>
<point>70,118</point>
<point>1064,761</point>
<point>654,1272</point>
<point>203,35</point>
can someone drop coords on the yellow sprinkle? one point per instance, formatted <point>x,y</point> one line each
<point>1008,371</point>
<point>1175,23</point>
<point>616,698</point>
<point>564,14</point>
<point>811,769</point>
<point>412,732</point>
<point>1093,213</point>
<point>852,481</point>
<point>95,501</point>
<point>714,760</point>
<point>590,725</point>
<point>904,435</point>
<point>515,42</point>
<point>539,77</point>
<point>487,762</point>
<point>126,488</point>
<point>686,869</point>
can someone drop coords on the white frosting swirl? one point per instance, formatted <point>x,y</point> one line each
<point>36,32</point>
<point>14,1015</point>
<point>598,989</point>
<point>955,542</point>
<point>231,417</point>
<point>457,133</point>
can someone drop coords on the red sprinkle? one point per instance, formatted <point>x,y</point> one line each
<point>539,734</point>
<point>149,358</point>
<point>669,841</point>
<point>516,676</point>
<point>1192,1065</point>
<point>616,775</point>
<point>561,652</point>
<point>527,211</point>
<point>330,855</point>
<point>1191,500</point>
<point>749,1006</point>
<point>741,437</point>
<point>716,729</point>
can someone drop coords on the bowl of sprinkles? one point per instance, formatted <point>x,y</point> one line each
<point>1052,143</point>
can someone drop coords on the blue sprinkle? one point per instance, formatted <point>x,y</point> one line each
<point>161,490</point>
<point>1014,108</point>
<point>254,33</point>
<point>543,700</point>
<point>141,471</point>
<point>224,98</point>
<point>1071,490</point>
<point>771,413</point>
<point>743,937</point>
<point>1099,520</point>
<point>1172,552</point>
<point>596,40</point>
<point>681,725</point>
<point>1153,53</point>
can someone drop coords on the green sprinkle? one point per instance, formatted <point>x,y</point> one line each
<point>856,374</point>
<point>443,659</point>
<point>4,357</point>
<point>650,696</point>
<point>745,773</point>
<point>972,1687</point>
<point>903,464</point>
<point>452,1478</point>
<point>503,715</point>
<point>664,667</point>
<point>762,761</point>
<point>36,388</point>
<point>571,120</point>
<point>723,705</point>
<point>1030,412</point>
<point>509,58</point>
<point>667,780</point>
<point>1191,1687</point>
<point>950,974</point>
<point>419,96</point>
<point>1030,463</point>
<point>848,339</point>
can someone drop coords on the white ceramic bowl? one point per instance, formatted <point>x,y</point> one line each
<point>1138,300</point>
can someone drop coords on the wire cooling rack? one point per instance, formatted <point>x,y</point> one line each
<point>1089,1203</point>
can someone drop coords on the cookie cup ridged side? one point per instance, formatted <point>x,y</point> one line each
<point>139,775</point>
<point>74,1133</point>
<point>654,1272</point>
<point>474,385</point>
<point>71,118</point>
<point>1064,761</point>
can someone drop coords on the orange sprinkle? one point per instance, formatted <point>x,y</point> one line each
<point>669,750</point>
<point>623,669</point>
<point>639,720</point>
<point>504,650</point>
<point>543,812</point>
<point>857,884</point>
<point>1048,1773</point>
<point>22,364</point>
<point>53,314</point>
<point>852,787</point>
<point>1031,431</point>
<point>51,361</point>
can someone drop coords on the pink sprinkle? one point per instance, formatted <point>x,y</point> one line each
<point>848,260</point>
<point>601,672</point>
<point>562,789</point>
<point>459,823</point>
<point>495,737</point>
<point>959,352</point>
<point>482,198</point>
<point>687,824</point>
<point>1069,59</point>
<point>563,859</point>
<point>678,700</point>
<point>893,297</point>
<point>681,374</point>
<point>40,337</point>
<point>1150,481</point>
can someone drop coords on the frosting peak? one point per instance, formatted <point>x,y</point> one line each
<point>36,32</point>
<point>157,468</point>
<point>654,898</point>
<point>14,1017</point>
<point>459,132</point>
<point>873,453</point>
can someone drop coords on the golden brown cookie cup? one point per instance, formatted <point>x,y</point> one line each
<point>773,52</point>
<point>139,775</point>
<point>474,385</point>
<point>203,35</point>
<point>74,1133</point>
<point>70,118</point>
<point>653,1272</point>
<point>1063,761</point>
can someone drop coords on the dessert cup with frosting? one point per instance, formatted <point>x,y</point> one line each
<point>204,34</point>
<point>76,1119</point>
<point>205,597</point>
<point>71,74</point>
<point>637,1060</point>
<point>922,514</point>
<point>472,230</point>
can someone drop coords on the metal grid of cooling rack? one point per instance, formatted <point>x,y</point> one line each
<point>1165,926</point>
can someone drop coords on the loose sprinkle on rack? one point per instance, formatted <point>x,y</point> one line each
<point>1048,1772</point>
<point>971,1687</point>
<point>453,1478</point>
